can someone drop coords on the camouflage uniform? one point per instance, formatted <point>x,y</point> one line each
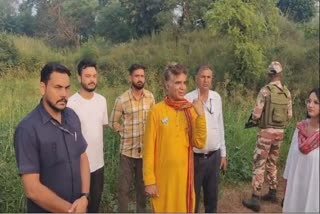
<point>268,145</point>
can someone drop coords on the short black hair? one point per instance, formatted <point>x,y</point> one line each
<point>51,67</point>
<point>134,67</point>
<point>85,63</point>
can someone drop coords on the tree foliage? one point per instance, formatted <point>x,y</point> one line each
<point>81,15</point>
<point>113,23</point>
<point>72,22</point>
<point>248,25</point>
<point>8,52</point>
<point>298,10</point>
<point>7,12</point>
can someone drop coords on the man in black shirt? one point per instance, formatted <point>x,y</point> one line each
<point>50,149</point>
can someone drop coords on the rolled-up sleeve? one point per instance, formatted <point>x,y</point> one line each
<point>260,102</point>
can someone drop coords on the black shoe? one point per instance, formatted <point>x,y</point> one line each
<point>252,203</point>
<point>270,196</point>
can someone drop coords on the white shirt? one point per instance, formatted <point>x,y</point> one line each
<point>214,121</point>
<point>302,174</point>
<point>93,115</point>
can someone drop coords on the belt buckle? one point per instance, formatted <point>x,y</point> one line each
<point>205,156</point>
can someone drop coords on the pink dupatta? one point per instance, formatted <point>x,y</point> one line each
<point>307,141</point>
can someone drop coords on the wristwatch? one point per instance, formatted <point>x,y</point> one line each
<point>86,194</point>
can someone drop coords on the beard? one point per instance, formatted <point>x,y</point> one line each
<point>54,106</point>
<point>138,86</point>
<point>86,87</point>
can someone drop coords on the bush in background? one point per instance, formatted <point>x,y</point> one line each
<point>8,53</point>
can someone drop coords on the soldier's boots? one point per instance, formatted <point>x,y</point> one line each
<point>270,196</point>
<point>252,203</point>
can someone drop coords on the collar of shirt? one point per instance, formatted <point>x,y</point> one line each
<point>211,95</point>
<point>46,117</point>
<point>132,95</point>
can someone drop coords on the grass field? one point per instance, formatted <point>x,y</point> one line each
<point>20,94</point>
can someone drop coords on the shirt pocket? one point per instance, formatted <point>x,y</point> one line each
<point>76,144</point>
<point>213,120</point>
<point>49,154</point>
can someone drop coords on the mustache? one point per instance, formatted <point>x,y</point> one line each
<point>62,100</point>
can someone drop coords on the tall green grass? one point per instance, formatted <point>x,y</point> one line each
<point>16,101</point>
<point>20,94</point>
<point>240,142</point>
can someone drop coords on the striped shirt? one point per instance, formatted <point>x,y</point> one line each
<point>128,117</point>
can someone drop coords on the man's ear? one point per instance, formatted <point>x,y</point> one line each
<point>79,78</point>
<point>129,79</point>
<point>42,88</point>
<point>166,85</point>
<point>196,78</point>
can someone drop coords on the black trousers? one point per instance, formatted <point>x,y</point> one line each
<point>206,175</point>
<point>130,167</point>
<point>96,188</point>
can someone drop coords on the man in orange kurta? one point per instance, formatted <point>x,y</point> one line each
<point>173,127</point>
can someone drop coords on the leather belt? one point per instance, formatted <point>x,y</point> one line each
<point>204,155</point>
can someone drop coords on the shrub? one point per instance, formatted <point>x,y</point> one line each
<point>8,52</point>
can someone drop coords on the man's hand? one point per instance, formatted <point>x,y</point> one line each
<point>223,163</point>
<point>151,190</point>
<point>197,105</point>
<point>79,205</point>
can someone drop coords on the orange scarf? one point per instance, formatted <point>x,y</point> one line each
<point>185,105</point>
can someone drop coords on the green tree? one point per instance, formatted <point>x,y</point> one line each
<point>25,20</point>
<point>249,26</point>
<point>16,19</point>
<point>194,10</point>
<point>113,23</point>
<point>143,15</point>
<point>44,20</point>
<point>121,20</point>
<point>63,22</point>
<point>7,14</point>
<point>298,10</point>
<point>8,52</point>
<point>81,15</point>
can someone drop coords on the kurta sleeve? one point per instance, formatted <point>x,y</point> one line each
<point>199,129</point>
<point>289,158</point>
<point>148,153</point>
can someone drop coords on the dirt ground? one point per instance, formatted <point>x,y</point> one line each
<point>231,199</point>
<point>231,196</point>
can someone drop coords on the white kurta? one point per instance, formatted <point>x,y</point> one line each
<point>302,174</point>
